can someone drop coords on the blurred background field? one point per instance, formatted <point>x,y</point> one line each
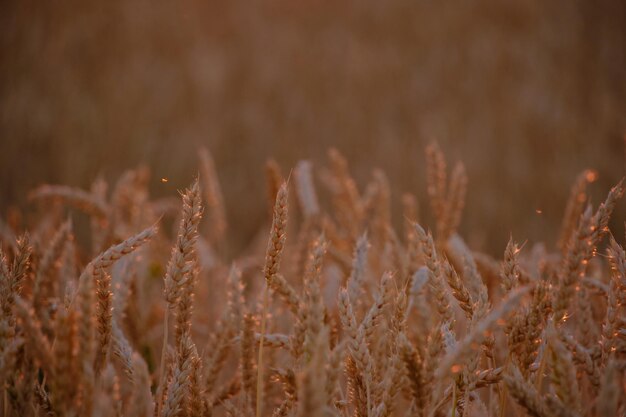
<point>526,94</point>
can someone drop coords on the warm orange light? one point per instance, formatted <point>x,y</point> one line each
<point>591,176</point>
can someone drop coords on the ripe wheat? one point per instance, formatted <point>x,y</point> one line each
<point>335,314</point>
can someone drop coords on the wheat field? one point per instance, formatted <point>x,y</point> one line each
<point>526,93</point>
<point>329,311</point>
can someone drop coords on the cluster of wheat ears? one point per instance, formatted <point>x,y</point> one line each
<point>347,317</point>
